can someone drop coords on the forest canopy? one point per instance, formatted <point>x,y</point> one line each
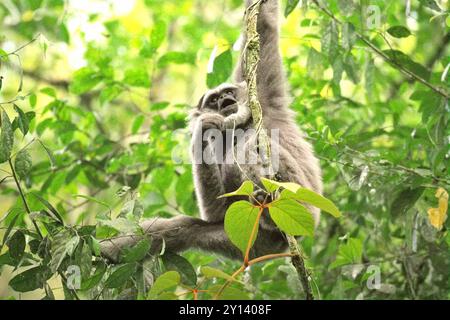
<point>94,100</point>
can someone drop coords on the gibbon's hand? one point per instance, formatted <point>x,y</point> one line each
<point>211,121</point>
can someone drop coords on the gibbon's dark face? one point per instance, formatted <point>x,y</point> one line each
<point>219,99</point>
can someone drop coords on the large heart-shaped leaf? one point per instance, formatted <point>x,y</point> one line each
<point>240,219</point>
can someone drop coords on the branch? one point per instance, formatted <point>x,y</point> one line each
<point>442,46</point>
<point>22,195</point>
<point>384,56</point>
<point>28,210</point>
<point>251,60</point>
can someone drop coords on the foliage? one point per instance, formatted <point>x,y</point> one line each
<point>93,110</point>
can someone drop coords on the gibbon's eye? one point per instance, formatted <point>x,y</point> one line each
<point>213,100</point>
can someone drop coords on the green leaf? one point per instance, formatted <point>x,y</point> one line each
<point>348,253</point>
<point>246,189</point>
<point>132,208</point>
<point>96,246</point>
<point>405,200</point>
<point>121,275</point>
<point>315,64</point>
<point>158,35</point>
<point>23,164</point>
<point>290,6</point>
<point>317,200</point>
<point>223,68</point>
<point>138,252</point>
<point>399,32</point>
<point>351,68</point>
<point>84,80</point>
<point>174,262</point>
<point>95,279</point>
<point>369,77</point>
<point>159,106</point>
<point>272,185</point>
<point>11,225</point>
<point>429,102</point>
<point>240,219</point>
<point>49,92</point>
<point>137,124</point>
<point>109,93</point>
<point>3,55</point>
<point>63,245</point>
<point>176,58</point>
<point>338,70</point>
<point>84,258</point>
<point>230,293</point>
<point>291,217</point>
<point>137,77</point>
<point>348,36</point>
<point>122,225</point>
<point>32,99</point>
<point>405,61</point>
<point>16,245</point>
<point>31,279</point>
<point>22,122</point>
<point>55,212</point>
<point>210,272</point>
<point>6,138</point>
<point>93,200</point>
<point>166,281</point>
<point>330,41</point>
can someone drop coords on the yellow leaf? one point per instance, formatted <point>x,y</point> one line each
<point>438,216</point>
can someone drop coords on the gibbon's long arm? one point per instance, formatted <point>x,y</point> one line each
<point>182,233</point>
<point>271,79</point>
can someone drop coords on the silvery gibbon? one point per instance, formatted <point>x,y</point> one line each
<point>220,109</point>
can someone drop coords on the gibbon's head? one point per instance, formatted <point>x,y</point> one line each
<point>221,99</point>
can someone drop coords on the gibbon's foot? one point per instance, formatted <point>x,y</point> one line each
<point>260,197</point>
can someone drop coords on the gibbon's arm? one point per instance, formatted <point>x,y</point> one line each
<point>207,177</point>
<point>271,80</point>
<point>182,233</point>
<point>179,233</point>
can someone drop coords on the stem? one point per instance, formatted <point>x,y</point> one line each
<point>269,257</point>
<point>25,204</point>
<point>227,283</point>
<point>252,236</point>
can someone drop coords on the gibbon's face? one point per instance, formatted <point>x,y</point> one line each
<point>223,99</point>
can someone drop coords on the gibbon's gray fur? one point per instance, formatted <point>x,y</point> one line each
<point>225,107</point>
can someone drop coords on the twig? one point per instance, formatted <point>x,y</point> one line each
<point>383,55</point>
<point>21,47</point>
<point>27,209</point>
<point>25,204</point>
